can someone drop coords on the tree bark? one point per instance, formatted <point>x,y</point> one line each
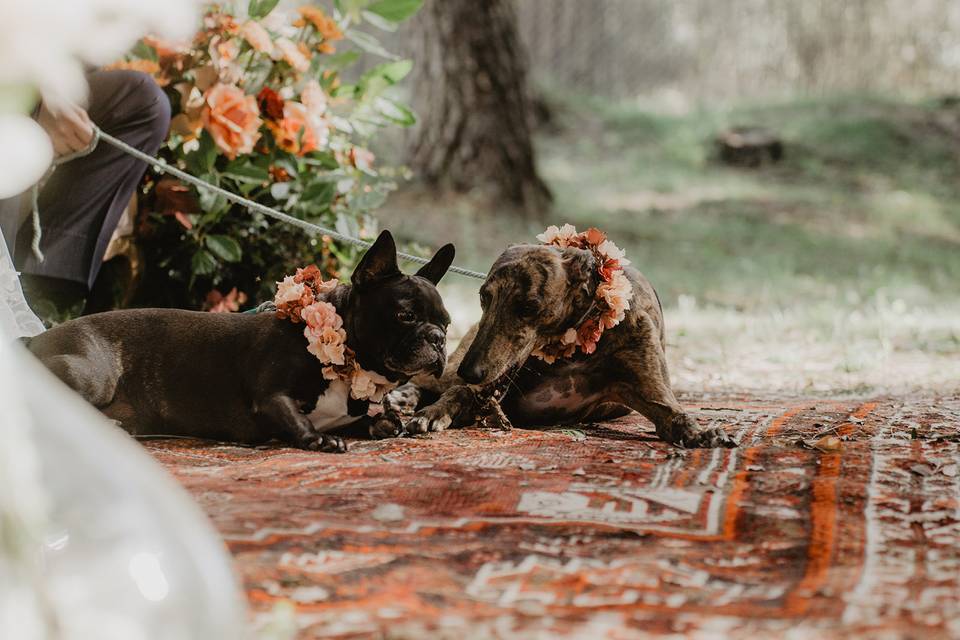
<point>471,97</point>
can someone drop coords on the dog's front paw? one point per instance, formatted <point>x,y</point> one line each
<point>324,443</point>
<point>683,430</point>
<point>402,401</point>
<point>429,419</point>
<point>386,426</point>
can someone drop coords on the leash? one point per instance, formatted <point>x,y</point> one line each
<point>161,165</point>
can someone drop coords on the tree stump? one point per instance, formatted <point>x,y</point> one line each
<point>749,147</point>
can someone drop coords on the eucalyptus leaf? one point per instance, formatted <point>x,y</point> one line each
<point>261,8</point>
<point>395,111</point>
<point>395,10</point>
<point>369,44</point>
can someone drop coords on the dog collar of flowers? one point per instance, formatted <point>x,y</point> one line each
<point>612,299</point>
<point>299,299</point>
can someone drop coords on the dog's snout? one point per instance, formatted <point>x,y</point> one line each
<point>471,372</point>
<point>437,338</point>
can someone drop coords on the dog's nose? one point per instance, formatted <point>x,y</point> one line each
<point>470,372</point>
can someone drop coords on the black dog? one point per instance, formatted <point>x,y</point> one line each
<point>248,377</point>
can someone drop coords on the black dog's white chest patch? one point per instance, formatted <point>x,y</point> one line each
<point>331,410</point>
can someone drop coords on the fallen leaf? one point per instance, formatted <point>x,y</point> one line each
<point>921,469</point>
<point>828,444</point>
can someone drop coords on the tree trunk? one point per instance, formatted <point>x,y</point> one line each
<point>471,97</point>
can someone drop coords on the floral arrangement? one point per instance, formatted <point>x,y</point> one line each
<point>613,294</point>
<point>260,108</point>
<point>302,298</point>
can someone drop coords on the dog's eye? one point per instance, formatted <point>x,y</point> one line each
<point>527,309</point>
<point>484,298</point>
<point>405,316</point>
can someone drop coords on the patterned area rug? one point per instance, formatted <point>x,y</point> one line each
<point>833,519</point>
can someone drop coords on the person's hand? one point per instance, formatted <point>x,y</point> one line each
<point>69,127</point>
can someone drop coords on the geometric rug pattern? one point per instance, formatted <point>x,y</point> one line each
<point>834,518</point>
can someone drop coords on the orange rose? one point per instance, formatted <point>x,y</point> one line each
<point>232,118</point>
<point>294,133</point>
<point>326,26</point>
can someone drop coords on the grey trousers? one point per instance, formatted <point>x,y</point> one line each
<point>81,203</point>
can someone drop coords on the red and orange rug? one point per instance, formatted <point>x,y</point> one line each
<point>833,519</point>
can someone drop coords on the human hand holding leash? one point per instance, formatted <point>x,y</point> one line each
<point>69,127</point>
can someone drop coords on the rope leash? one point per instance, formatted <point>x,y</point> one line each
<point>35,190</point>
<point>162,166</point>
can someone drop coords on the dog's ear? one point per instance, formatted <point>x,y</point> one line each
<point>438,264</point>
<point>379,262</point>
<point>581,268</point>
<point>579,264</point>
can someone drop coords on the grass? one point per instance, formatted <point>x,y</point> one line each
<point>836,269</point>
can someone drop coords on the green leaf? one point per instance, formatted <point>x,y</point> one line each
<point>392,72</point>
<point>243,171</point>
<point>337,61</point>
<point>203,263</point>
<point>369,44</point>
<point>144,51</point>
<point>395,10</point>
<point>319,194</point>
<point>260,8</point>
<point>394,111</point>
<point>225,247</point>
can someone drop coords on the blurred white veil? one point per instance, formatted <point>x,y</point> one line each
<point>96,540</point>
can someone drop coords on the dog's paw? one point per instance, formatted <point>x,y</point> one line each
<point>429,419</point>
<point>325,443</point>
<point>402,401</point>
<point>386,426</point>
<point>684,431</point>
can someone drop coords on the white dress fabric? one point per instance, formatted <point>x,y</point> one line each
<point>96,540</point>
<point>16,318</point>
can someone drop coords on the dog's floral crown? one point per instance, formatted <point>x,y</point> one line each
<point>299,300</point>
<point>612,298</point>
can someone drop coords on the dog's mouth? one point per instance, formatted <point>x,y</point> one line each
<point>434,366</point>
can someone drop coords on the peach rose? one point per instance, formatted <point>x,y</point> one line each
<point>327,344</point>
<point>288,291</point>
<point>258,37</point>
<point>292,54</point>
<point>314,99</point>
<point>232,118</point>
<point>368,385</point>
<point>320,315</point>
<point>616,294</point>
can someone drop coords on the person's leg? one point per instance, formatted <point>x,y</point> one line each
<point>82,202</point>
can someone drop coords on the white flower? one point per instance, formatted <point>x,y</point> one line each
<point>613,252</point>
<point>558,236</point>
<point>288,291</point>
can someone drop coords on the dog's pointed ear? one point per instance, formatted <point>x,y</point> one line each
<point>379,262</point>
<point>438,265</point>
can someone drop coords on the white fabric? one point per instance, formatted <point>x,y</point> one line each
<point>16,318</point>
<point>96,540</point>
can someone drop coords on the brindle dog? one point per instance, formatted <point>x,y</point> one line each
<point>536,292</point>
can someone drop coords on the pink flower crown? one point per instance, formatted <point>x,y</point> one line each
<point>612,298</point>
<point>299,299</point>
